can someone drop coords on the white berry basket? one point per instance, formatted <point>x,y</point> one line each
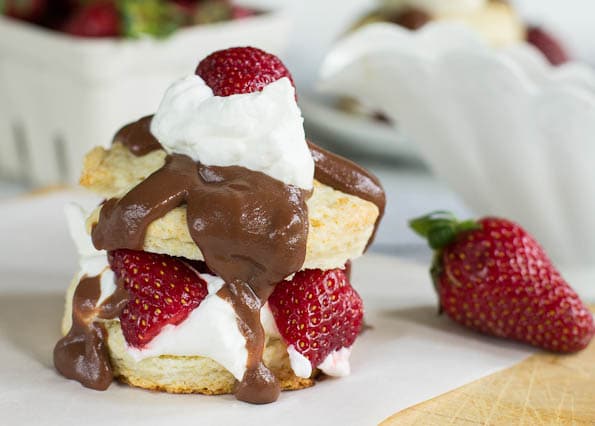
<point>60,95</point>
<point>512,135</point>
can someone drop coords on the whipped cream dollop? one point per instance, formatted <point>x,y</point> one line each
<point>262,131</point>
<point>438,7</point>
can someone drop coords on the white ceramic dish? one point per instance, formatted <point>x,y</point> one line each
<point>61,96</point>
<point>511,134</point>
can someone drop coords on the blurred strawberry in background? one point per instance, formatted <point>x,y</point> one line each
<point>548,44</point>
<point>101,19</point>
<point>27,10</point>
<point>122,18</point>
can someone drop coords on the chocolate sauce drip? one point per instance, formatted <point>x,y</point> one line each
<point>346,176</point>
<point>137,137</point>
<point>251,228</point>
<point>258,385</point>
<point>411,18</point>
<point>82,354</point>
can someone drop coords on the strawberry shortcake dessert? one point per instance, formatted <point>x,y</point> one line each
<point>219,261</point>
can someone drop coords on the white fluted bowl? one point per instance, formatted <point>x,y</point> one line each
<point>512,135</point>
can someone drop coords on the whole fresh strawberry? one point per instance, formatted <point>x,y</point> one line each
<point>548,45</point>
<point>240,70</point>
<point>162,290</point>
<point>317,312</point>
<point>493,277</point>
<point>99,19</point>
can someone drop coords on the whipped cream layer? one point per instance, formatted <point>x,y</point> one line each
<point>211,331</point>
<point>262,131</point>
<point>438,7</point>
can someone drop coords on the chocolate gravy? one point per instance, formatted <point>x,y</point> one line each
<point>137,137</point>
<point>258,384</point>
<point>251,228</point>
<point>82,354</point>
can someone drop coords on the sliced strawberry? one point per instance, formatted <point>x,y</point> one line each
<point>240,70</point>
<point>317,312</point>
<point>163,290</point>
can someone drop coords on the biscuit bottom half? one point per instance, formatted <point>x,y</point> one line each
<point>193,374</point>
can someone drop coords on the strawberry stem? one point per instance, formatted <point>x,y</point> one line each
<point>149,18</point>
<point>441,228</point>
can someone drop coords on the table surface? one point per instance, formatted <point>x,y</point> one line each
<point>544,389</point>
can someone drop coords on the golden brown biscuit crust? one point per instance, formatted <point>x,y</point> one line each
<point>193,374</point>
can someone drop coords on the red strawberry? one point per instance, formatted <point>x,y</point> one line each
<point>241,12</point>
<point>163,290</point>
<point>186,6</point>
<point>27,10</point>
<point>317,312</point>
<point>493,277</point>
<point>240,70</point>
<point>101,19</point>
<point>548,45</point>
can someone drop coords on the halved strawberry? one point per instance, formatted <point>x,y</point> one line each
<point>163,290</point>
<point>317,312</point>
<point>240,70</point>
